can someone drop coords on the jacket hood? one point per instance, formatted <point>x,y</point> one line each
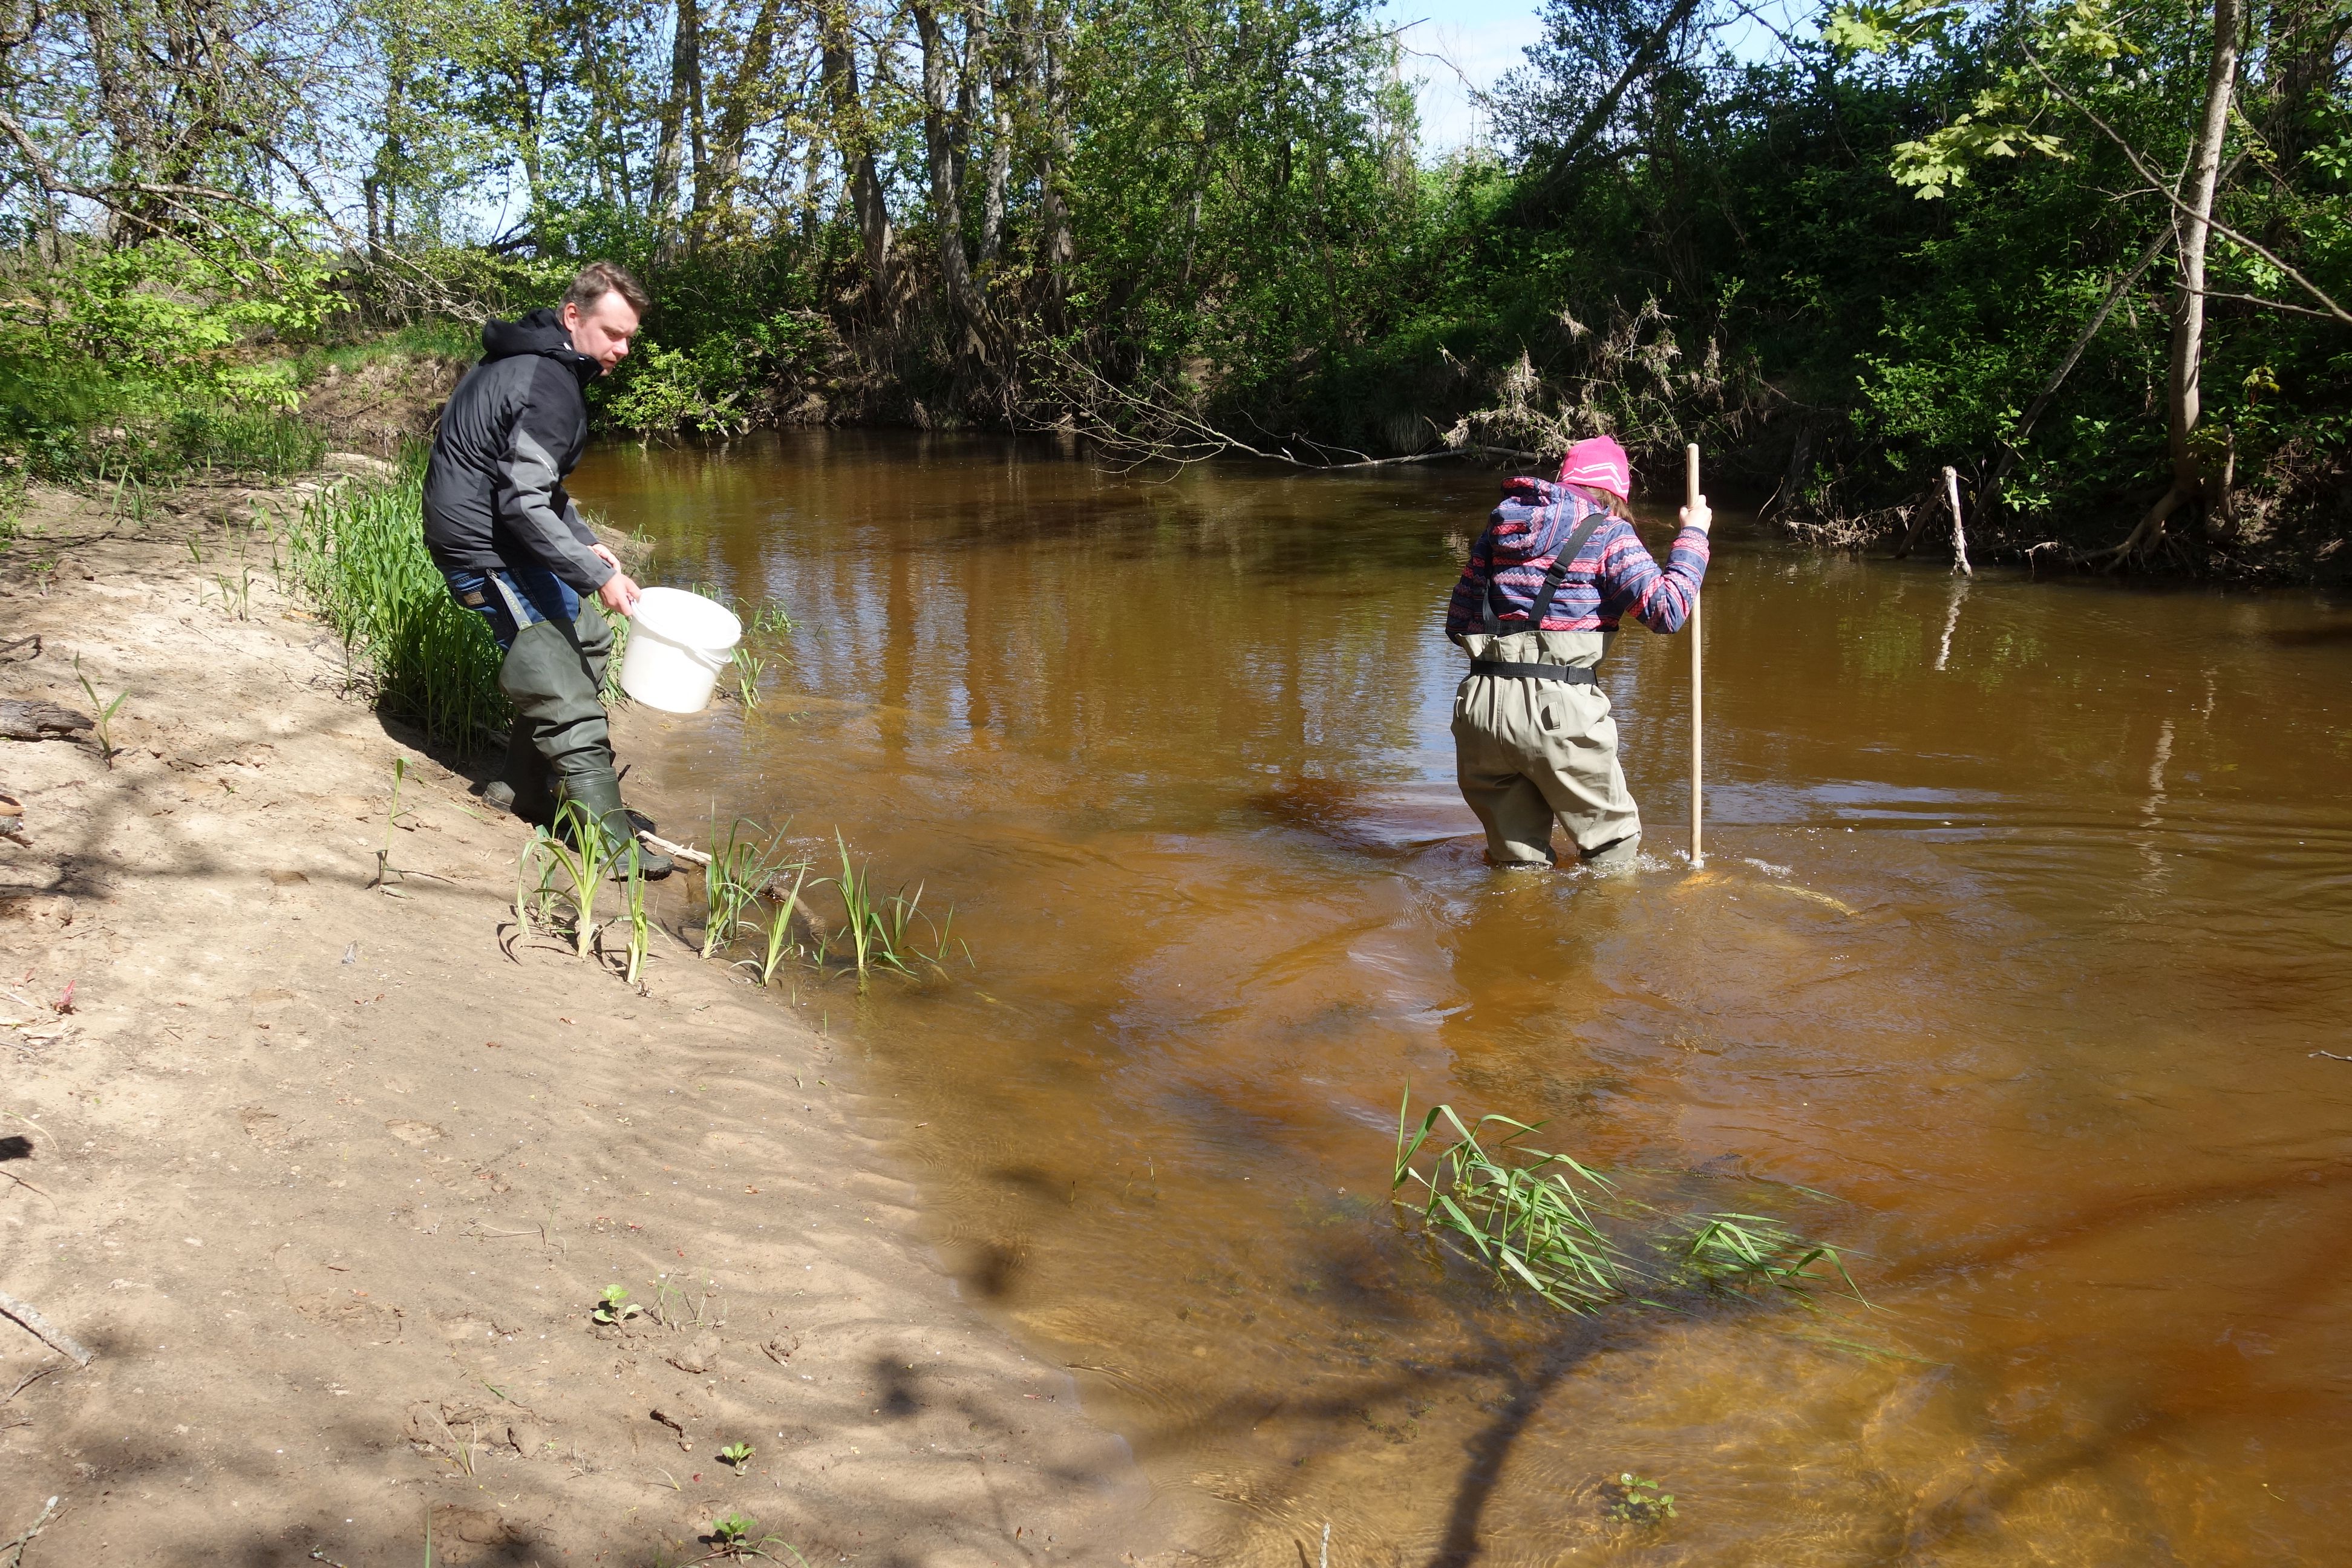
<point>541,332</point>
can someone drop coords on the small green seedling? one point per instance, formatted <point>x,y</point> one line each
<point>386,873</point>
<point>1639,1500</point>
<point>107,748</point>
<point>614,1307</point>
<point>732,1536</point>
<point>737,1455</point>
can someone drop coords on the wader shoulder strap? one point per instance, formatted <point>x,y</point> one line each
<point>1553,577</point>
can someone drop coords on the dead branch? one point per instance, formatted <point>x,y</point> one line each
<point>41,1328</point>
<point>2215,224</point>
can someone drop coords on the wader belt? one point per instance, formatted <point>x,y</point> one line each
<point>1553,578</point>
<point>1573,673</point>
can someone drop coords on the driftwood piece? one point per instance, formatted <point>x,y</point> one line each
<point>1959,533</point>
<point>21,721</point>
<point>49,1333</point>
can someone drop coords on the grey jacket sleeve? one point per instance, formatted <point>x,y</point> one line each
<point>530,490</point>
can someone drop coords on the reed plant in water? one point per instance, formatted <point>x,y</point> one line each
<point>749,668</point>
<point>881,930</point>
<point>1574,1236</point>
<point>778,937</point>
<point>740,868</point>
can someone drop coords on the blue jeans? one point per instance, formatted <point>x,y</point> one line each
<point>514,598</point>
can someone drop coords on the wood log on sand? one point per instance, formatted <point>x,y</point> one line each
<point>21,721</point>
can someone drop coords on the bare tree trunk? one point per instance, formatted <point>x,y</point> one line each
<point>735,116</point>
<point>837,63</point>
<point>999,63</point>
<point>1959,531</point>
<point>1054,167</point>
<point>697,142</point>
<point>2187,359</point>
<point>963,297</point>
<point>669,157</point>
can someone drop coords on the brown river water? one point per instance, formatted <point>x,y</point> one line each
<point>2028,905</point>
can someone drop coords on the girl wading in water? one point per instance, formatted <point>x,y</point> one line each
<point>1538,605</point>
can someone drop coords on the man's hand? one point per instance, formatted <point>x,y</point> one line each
<point>1698,516</point>
<point>619,594</point>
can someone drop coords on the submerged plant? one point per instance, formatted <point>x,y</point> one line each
<point>749,668</point>
<point>1576,1238</point>
<point>1638,1500</point>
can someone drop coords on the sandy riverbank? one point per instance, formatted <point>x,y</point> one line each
<point>329,1183</point>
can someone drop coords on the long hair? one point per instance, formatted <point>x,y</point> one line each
<point>1614,505</point>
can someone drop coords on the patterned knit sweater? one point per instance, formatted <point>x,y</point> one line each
<point>1613,576</point>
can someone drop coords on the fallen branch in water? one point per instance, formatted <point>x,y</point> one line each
<point>49,1333</point>
<point>774,888</point>
<point>1150,427</point>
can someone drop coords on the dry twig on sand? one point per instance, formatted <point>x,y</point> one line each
<point>49,1333</point>
<point>14,1550</point>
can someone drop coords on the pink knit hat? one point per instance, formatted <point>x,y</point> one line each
<point>1599,464</point>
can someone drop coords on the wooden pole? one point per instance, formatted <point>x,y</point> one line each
<point>1959,535</point>
<point>1690,499</point>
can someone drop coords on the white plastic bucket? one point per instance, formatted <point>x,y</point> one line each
<point>679,642</point>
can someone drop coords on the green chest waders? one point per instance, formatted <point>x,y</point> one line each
<point>1534,742</point>
<point>554,675</point>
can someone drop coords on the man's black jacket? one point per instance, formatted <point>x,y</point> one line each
<point>515,426</point>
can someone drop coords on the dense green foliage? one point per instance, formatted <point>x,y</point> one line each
<point>1842,256</point>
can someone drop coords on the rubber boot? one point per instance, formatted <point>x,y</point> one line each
<point>522,790</point>
<point>551,676</point>
<point>1619,858</point>
<point>594,635</point>
<point>598,794</point>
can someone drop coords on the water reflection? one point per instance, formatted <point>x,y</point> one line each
<point>2027,906</point>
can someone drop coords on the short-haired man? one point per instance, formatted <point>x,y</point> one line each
<point>516,551</point>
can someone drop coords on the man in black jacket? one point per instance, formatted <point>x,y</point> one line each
<point>516,551</point>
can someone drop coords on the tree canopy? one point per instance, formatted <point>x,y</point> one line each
<point>2094,257</point>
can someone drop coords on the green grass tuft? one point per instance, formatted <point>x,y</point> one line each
<point>358,552</point>
<point>1576,1238</point>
